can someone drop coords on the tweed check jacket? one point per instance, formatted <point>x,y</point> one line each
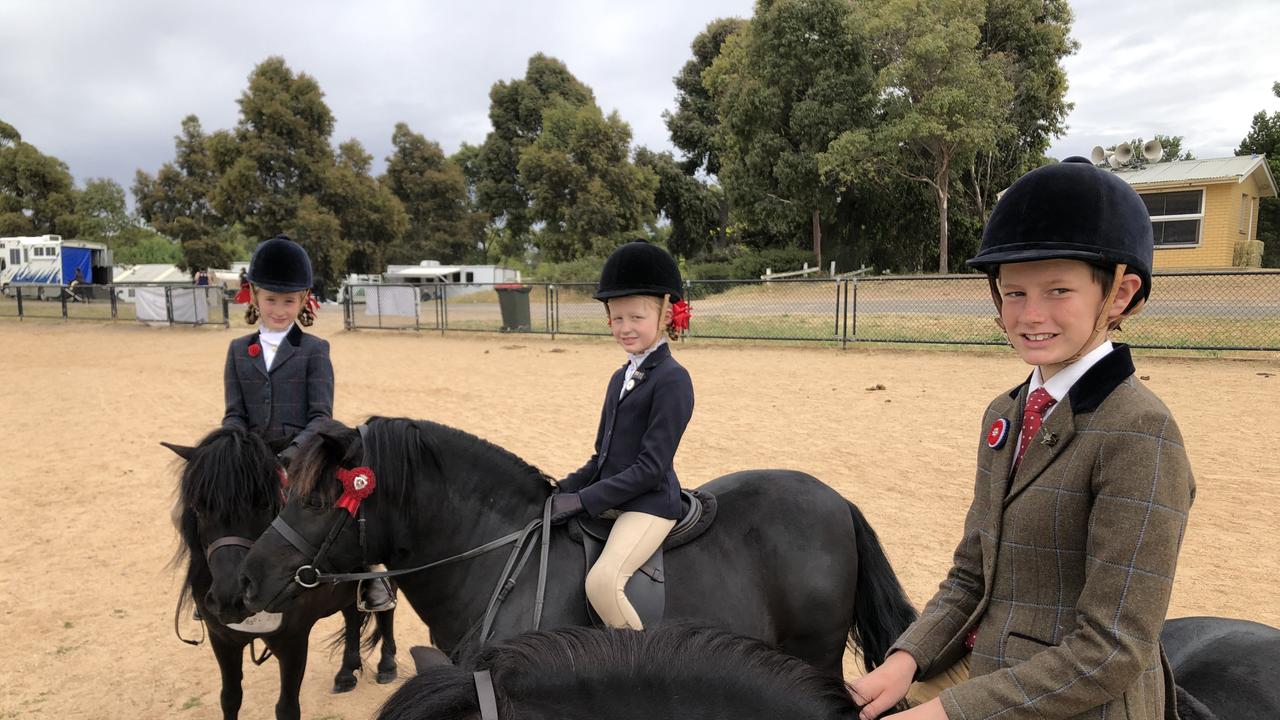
<point>282,405</point>
<point>1067,566</point>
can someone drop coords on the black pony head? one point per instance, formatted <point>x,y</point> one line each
<point>676,670</point>
<point>230,486</point>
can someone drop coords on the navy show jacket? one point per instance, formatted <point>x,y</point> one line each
<point>631,470</point>
<point>286,403</point>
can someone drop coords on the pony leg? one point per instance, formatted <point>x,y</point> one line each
<point>230,657</point>
<point>345,680</point>
<point>292,656</point>
<point>385,632</point>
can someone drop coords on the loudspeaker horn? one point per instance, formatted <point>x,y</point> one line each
<point>1112,160</point>
<point>1099,155</point>
<point>1152,150</point>
<point>1124,153</point>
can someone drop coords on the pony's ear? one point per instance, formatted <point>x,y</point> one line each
<point>427,657</point>
<point>182,451</point>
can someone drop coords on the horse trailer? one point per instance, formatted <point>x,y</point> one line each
<point>47,263</point>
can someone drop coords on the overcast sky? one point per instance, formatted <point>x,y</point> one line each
<point>104,85</point>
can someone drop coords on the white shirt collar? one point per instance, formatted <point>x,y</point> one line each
<point>1061,383</point>
<point>636,360</point>
<point>274,337</point>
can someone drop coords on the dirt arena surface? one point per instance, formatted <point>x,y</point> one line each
<point>86,607</point>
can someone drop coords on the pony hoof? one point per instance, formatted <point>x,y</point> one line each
<point>344,685</point>
<point>385,676</point>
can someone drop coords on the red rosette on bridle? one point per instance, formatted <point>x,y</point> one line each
<point>357,484</point>
<point>680,314</point>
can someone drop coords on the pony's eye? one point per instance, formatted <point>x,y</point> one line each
<point>313,502</point>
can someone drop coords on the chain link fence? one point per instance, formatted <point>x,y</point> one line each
<point>154,304</point>
<point>1207,310</point>
<point>1222,310</point>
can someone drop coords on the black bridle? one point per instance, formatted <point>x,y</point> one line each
<point>520,553</point>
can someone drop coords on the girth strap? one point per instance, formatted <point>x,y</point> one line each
<point>484,692</point>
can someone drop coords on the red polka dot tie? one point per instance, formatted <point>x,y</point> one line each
<point>1032,418</point>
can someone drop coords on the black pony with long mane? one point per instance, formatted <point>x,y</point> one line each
<point>676,671</point>
<point>230,489</point>
<point>788,560</point>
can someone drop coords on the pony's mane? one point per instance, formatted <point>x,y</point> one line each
<point>677,664</point>
<point>399,449</point>
<point>230,473</point>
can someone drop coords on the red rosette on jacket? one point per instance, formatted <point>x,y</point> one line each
<point>255,350</point>
<point>680,314</point>
<point>357,484</point>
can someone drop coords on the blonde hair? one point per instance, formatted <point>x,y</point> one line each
<point>306,318</point>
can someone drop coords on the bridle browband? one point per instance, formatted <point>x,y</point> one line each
<point>516,561</point>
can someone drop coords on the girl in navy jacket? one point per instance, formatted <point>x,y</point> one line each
<point>647,405</point>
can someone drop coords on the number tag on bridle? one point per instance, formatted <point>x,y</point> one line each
<point>357,484</point>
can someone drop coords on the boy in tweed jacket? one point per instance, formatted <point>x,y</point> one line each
<point>1059,586</point>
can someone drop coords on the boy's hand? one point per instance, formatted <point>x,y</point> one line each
<point>882,688</point>
<point>931,710</point>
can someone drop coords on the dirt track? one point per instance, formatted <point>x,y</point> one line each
<point>86,606</point>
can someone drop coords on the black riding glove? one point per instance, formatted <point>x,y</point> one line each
<point>564,506</point>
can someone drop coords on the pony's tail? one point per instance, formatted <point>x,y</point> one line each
<point>446,692</point>
<point>881,610</point>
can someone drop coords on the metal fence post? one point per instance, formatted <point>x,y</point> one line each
<point>835,332</point>
<point>21,316</point>
<point>168,303</point>
<point>444,307</point>
<point>226,310</point>
<point>854,311</point>
<point>62,295</point>
<point>844,333</point>
<point>417,312</point>
<point>115,311</point>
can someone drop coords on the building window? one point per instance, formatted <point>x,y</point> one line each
<point>471,276</point>
<point>1176,216</point>
<point>1245,206</point>
<point>15,257</point>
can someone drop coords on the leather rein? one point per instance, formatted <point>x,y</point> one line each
<point>310,575</point>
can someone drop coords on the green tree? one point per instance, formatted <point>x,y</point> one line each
<point>176,200</point>
<point>785,86</point>
<point>37,193</point>
<point>442,223</point>
<point>283,151</point>
<point>103,216</point>
<point>516,112</point>
<point>942,99</point>
<point>1264,139</point>
<point>585,189</point>
<point>370,217</point>
<point>1033,37</point>
<point>691,206</point>
<point>319,231</point>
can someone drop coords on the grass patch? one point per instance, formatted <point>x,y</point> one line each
<point>192,702</point>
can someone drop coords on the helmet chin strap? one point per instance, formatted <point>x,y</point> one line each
<point>1101,323</point>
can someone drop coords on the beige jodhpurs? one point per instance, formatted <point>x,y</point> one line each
<point>925,690</point>
<point>634,538</point>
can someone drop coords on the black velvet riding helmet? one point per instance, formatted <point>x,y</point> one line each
<point>1070,210</point>
<point>640,268</point>
<point>280,265</point>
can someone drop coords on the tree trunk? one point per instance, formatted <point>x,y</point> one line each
<point>817,238</point>
<point>941,187</point>
<point>722,231</point>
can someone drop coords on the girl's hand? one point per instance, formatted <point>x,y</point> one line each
<point>882,688</point>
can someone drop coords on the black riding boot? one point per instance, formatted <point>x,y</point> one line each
<point>376,595</point>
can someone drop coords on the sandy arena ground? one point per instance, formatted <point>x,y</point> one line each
<point>87,602</point>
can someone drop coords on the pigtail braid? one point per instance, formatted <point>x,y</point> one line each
<point>251,314</point>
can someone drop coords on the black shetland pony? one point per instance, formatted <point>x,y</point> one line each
<point>1229,668</point>
<point>787,561</point>
<point>674,671</point>
<point>230,490</point>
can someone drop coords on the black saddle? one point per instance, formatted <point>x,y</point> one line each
<point>646,590</point>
